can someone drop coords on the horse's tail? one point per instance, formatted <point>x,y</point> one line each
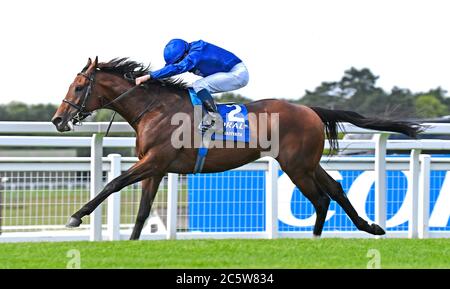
<point>331,118</point>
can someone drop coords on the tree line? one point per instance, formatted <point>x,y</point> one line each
<point>356,90</point>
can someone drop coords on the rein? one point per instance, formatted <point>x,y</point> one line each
<point>120,97</point>
<point>114,113</point>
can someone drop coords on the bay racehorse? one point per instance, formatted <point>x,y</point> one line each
<point>149,108</point>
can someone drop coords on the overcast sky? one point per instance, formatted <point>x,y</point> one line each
<point>288,46</point>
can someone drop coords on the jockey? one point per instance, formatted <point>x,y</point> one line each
<point>221,71</point>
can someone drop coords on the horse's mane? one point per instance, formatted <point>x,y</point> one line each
<point>124,66</point>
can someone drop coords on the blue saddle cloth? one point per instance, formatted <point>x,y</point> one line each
<point>235,126</point>
<point>235,123</point>
<point>235,120</point>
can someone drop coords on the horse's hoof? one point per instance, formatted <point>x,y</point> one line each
<point>73,222</point>
<point>377,230</point>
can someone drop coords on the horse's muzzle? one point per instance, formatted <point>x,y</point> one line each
<point>60,124</point>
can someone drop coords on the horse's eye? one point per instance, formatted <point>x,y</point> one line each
<point>78,88</point>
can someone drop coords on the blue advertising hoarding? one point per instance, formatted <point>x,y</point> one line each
<point>234,201</point>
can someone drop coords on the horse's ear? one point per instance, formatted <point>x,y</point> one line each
<point>96,61</point>
<point>87,65</point>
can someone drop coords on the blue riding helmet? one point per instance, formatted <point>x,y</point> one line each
<point>175,50</point>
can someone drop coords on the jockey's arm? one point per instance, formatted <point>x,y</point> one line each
<point>174,69</point>
<point>170,70</point>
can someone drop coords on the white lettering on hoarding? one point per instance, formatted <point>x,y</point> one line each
<point>285,193</point>
<point>441,212</point>
<point>357,194</point>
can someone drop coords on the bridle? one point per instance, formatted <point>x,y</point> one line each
<point>81,113</point>
<point>81,109</point>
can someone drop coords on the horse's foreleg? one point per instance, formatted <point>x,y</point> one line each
<point>141,170</point>
<point>149,190</point>
<point>335,191</point>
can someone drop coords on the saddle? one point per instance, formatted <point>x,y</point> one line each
<point>233,124</point>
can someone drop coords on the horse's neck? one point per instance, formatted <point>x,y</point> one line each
<point>157,98</point>
<point>136,103</point>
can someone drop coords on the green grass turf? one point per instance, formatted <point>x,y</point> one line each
<point>53,207</point>
<point>280,253</point>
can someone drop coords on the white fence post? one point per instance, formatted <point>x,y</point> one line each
<point>424,196</point>
<point>95,233</point>
<point>414,167</point>
<point>172,205</point>
<point>272,199</point>
<point>114,199</point>
<point>380,178</point>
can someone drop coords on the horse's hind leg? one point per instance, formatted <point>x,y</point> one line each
<point>335,191</point>
<point>305,181</point>
<point>149,190</point>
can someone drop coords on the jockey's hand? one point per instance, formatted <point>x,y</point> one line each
<point>142,79</point>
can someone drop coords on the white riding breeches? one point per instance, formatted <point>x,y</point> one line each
<point>236,78</point>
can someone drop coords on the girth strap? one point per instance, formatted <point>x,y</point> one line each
<point>200,161</point>
<point>202,150</point>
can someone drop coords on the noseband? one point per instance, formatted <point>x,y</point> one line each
<point>81,109</point>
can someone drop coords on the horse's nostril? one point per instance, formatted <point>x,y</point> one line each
<point>56,120</point>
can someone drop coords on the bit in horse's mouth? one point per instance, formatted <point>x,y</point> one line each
<point>61,125</point>
<point>69,125</point>
<point>64,128</point>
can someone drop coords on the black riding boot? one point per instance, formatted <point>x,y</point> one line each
<point>211,108</point>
